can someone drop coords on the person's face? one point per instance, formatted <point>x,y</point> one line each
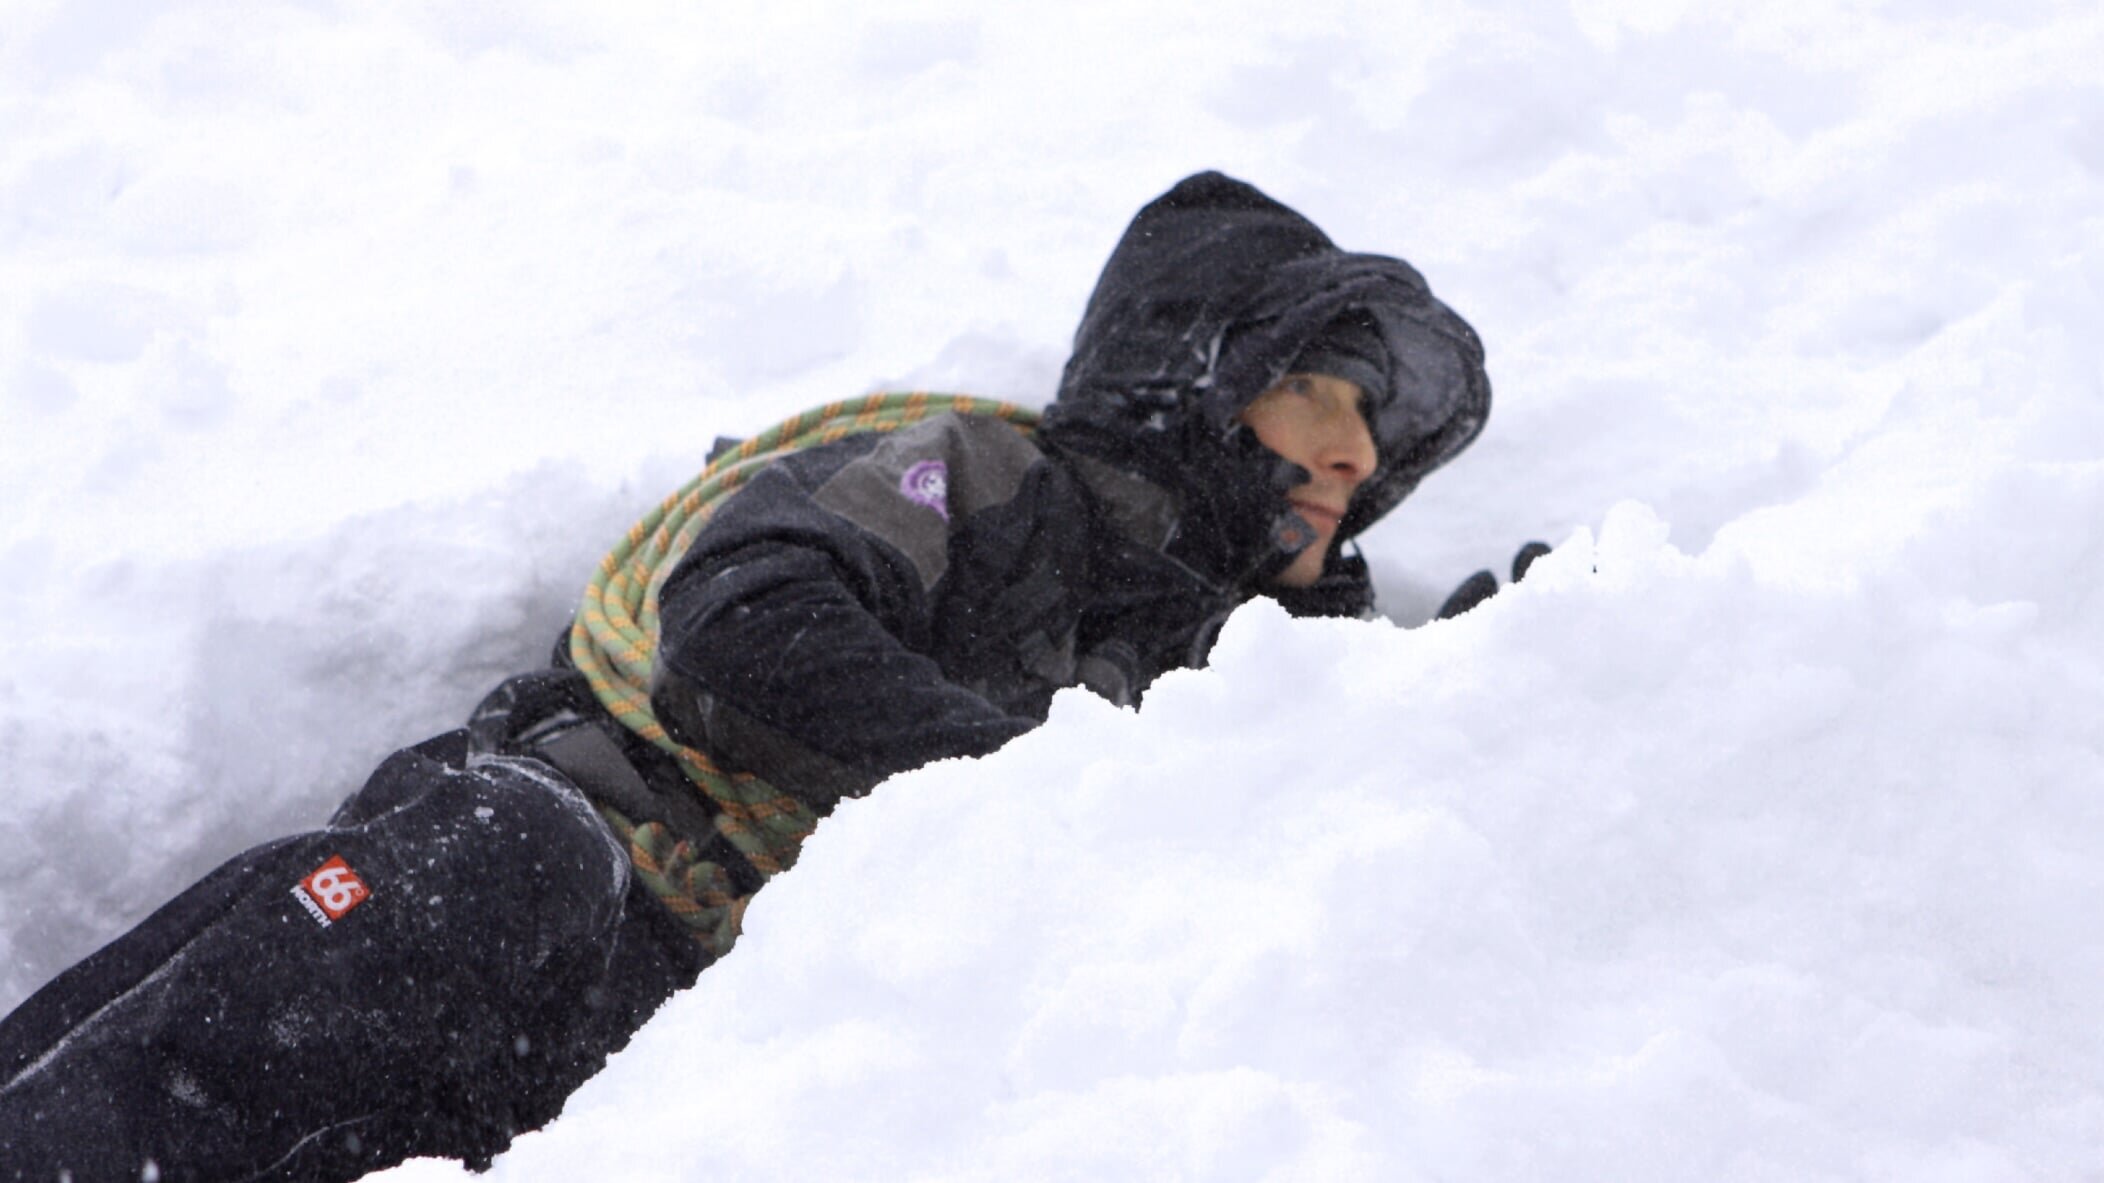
<point>1314,421</point>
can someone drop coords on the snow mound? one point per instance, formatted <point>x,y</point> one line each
<point>1656,866</point>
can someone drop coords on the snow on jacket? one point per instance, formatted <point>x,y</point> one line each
<point>864,608</point>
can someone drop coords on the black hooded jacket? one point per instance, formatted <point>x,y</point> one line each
<point>866,607</point>
<point>1208,299</point>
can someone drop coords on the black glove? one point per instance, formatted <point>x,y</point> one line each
<point>1526,557</point>
<point>1483,585</point>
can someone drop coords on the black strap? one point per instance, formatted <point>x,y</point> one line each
<point>596,764</point>
<point>553,716</point>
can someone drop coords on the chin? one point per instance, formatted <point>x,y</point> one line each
<point>1295,575</point>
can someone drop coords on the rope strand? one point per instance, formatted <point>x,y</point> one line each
<point>613,642</point>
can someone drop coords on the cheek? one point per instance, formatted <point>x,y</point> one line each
<point>1277,430</point>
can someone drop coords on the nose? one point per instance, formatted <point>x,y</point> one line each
<point>1346,451</point>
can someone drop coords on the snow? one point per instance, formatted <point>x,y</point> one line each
<point>1752,837</point>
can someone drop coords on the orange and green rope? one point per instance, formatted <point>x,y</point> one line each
<point>614,643</point>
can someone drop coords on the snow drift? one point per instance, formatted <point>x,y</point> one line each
<point>1750,838</point>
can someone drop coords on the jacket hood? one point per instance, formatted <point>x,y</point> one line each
<point>1208,299</point>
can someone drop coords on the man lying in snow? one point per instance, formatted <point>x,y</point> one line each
<point>467,940</point>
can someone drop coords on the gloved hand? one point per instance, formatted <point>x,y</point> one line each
<point>1483,585</point>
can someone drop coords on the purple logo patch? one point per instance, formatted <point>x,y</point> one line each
<point>928,483</point>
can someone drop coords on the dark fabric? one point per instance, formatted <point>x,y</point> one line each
<point>1344,590</point>
<point>502,954</point>
<point>810,646</point>
<point>1211,294</point>
<point>1349,347</point>
<point>553,716</point>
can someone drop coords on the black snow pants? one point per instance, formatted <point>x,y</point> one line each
<point>431,973</point>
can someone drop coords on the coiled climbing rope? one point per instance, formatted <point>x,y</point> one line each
<point>614,643</point>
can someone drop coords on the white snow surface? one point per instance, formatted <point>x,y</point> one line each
<point>1751,838</point>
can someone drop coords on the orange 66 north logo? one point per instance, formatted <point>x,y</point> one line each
<point>330,891</point>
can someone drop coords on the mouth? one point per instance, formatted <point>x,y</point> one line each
<point>1322,517</point>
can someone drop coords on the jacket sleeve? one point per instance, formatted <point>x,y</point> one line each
<point>793,635</point>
